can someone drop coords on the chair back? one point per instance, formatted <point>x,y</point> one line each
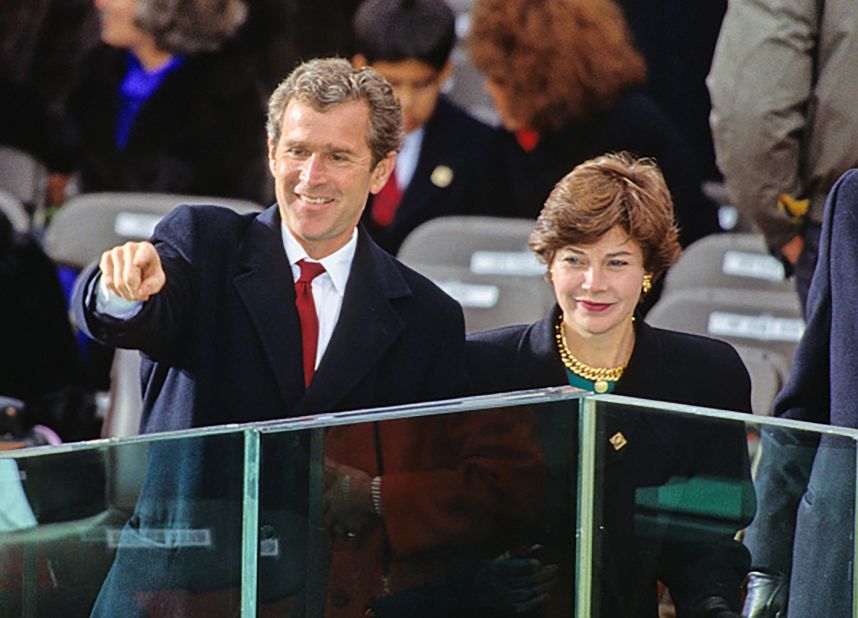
<point>768,371</point>
<point>729,261</point>
<point>91,223</point>
<point>24,176</point>
<point>762,319</point>
<point>492,301</point>
<point>486,245</point>
<point>14,210</point>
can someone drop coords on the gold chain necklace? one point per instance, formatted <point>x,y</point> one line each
<point>600,376</point>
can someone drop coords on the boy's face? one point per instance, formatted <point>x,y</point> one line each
<point>417,86</point>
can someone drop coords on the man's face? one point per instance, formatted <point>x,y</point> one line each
<point>416,84</point>
<point>323,173</point>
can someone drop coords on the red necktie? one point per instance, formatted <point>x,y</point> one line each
<point>386,201</point>
<point>307,315</point>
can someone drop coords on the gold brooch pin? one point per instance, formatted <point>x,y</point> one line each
<point>618,441</point>
<point>442,176</point>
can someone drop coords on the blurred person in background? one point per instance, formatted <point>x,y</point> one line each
<point>444,153</point>
<point>40,364</point>
<point>158,108</point>
<point>783,84</point>
<point>566,81</point>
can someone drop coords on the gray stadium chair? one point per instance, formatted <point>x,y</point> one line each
<point>485,264</point>
<point>491,301</point>
<point>762,319</point>
<point>768,371</point>
<point>12,207</point>
<point>23,176</point>
<point>737,261</point>
<point>90,223</point>
<point>453,241</point>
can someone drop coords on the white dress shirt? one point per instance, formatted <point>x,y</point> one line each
<point>407,158</point>
<point>328,288</point>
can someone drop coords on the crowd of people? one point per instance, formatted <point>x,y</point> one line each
<point>472,513</point>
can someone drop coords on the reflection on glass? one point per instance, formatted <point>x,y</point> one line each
<point>802,538</point>
<point>178,554</point>
<point>473,514</point>
<point>55,515</point>
<point>422,516</point>
<point>672,492</point>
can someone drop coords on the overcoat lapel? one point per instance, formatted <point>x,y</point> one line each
<point>368,325</point>
<point>543,361</point>
<point>265,287</point>
<point>644,376</point>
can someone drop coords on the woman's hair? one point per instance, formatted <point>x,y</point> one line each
<point>557,60</point>
<point>190,26</point>
<point>327,82</point>
<point>614,189</point>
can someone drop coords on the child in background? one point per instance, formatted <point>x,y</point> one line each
<point>445,151</point>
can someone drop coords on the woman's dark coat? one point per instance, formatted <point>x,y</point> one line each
<point>643,535</point>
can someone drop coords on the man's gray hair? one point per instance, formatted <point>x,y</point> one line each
<point>328,82</point>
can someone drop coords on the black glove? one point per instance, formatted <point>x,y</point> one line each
<point>766,595</point>
<point>713,607</point>
<point>515,582</point>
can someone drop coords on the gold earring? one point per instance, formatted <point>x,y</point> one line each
<point>646,284</point>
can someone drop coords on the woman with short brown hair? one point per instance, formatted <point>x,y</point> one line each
<point>605,233</point>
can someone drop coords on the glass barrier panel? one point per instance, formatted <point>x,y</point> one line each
<point>673,506</point>
<point>147,527</point>
<point>469,512</point>
<point>802,537</point>
<point>537,504</point>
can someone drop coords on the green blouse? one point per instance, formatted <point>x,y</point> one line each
<point>584,384</point>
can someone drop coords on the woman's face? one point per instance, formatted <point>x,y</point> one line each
<point>117,23</point>
<point>598,286</point>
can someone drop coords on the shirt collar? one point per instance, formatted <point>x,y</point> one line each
<point>338,265</point>
<point>408,156</point>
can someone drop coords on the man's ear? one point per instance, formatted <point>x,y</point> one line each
<point>382,171</point>
<point>272,159</point>
<point>359,61</point>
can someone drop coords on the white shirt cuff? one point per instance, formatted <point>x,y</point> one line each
<point>108,303</point>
